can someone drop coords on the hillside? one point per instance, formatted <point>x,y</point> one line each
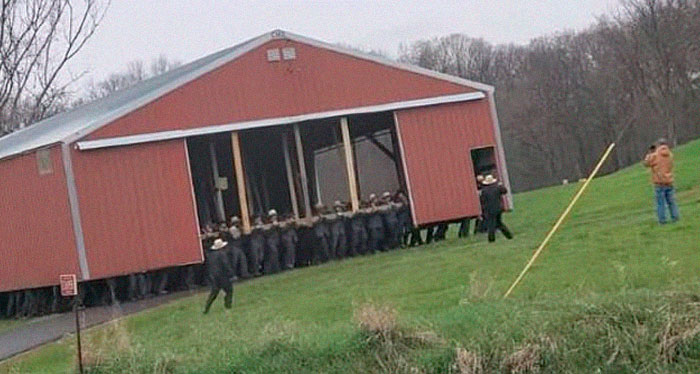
<point>613,293</point>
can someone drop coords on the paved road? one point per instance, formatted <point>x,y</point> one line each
<point>51,328</point>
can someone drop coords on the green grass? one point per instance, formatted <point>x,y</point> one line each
<point>598,300</point>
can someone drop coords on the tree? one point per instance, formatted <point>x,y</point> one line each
<point>37,40</point>
<point>135,72</point>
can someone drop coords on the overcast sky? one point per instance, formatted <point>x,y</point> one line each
<point>187,29</point>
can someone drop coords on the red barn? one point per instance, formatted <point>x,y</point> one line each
<point>281,121</point>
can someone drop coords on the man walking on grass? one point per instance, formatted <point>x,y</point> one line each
<point>659,160</point>
<point>491,195</point>
<point>220,273</point>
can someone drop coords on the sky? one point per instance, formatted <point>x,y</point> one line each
<point>184,30</point>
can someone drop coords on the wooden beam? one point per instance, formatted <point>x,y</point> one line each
<point>349,163</point>
<point>220,212</point>
<point>290,175</point>
<point>302,171</point>
<point>381,146</point>
<point>240,180</point>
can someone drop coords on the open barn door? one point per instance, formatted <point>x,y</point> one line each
<point>436,144</point>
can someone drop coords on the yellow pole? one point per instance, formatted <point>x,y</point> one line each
<point>561,219</point>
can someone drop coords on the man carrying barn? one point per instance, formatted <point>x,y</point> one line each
<point>271,259</point>
<point>289,239</point>
<point>239,261</point>
<point>336,222</point>
<point>322,235</point>
<point>358,231</point>
<point>375,226</point>
<point>256,246</point>
<point>391,221</point>
<point>659,160</point>
<point>220,273</point>
<point>491,195</point>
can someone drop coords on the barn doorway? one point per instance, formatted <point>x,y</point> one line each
<point>268,161</point>
<point>484,161</point>
<point>377,154</point>
<point>375,151</point>
<point>213,177</point>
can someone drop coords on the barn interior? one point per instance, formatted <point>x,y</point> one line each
<point>274,177</point>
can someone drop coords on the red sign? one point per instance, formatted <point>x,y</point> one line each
<point>69,285</point>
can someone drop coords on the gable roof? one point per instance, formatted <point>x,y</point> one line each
<point>70,126</point>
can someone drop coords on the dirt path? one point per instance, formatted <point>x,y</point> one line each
<point>51,328</point>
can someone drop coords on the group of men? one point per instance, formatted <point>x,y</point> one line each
<point>276,244</point>
<point>281,243</point>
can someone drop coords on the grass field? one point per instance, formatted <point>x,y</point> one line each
<point>613,293</point>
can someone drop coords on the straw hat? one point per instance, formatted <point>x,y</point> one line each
<point>489,179</point>
<point>218,244</point>
<point>386,195</point>
<point>272,212</point>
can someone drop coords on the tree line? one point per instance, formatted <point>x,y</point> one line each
<point>562,98</point>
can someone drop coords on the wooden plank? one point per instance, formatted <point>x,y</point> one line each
<point>302,171</point>
<point>240,180</point>
<point>220,212</point>
<point>349,163</point>
<point>290,175</point>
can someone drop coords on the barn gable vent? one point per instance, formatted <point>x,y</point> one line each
<point>289,53</point>
<point>273,54</point>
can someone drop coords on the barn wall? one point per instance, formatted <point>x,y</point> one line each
<point>137,208</point>
<point>37,242</point>
<point>251,88</point>
<point>436,146</point>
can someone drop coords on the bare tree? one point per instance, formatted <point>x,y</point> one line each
<point>135,72</point>
<point>37,39</point>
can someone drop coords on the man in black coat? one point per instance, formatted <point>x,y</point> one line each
<point>220,273</point>
<point>491,195</point>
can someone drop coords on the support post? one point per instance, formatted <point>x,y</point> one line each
<point>349,163</point>
<point>290,175</point>
<point>240,180</point>
<point>215,173</point>
<point>302,171</point>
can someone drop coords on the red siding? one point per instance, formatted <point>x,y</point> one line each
<point>136,208</point>
<point>252,88</point>
<point>37,242</point>
<point>437,143</point>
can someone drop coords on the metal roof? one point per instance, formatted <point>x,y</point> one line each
<point>70,126</point>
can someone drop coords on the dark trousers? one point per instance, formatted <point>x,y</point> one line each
<point>416,238</point>
<point>494,222</point>
<point>464,228</point>
<point>228,295</point>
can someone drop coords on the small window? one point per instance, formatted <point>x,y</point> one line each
<point>289,53</point>
<point>273,54</point>
<point>43,161</point>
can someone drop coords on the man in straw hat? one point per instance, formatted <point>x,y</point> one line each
<point>220,274</point>
<point>491,195</point>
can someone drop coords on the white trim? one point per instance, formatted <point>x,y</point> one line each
<point>405,169</point>
<point>75,212</point>
<point>236,126</point>
<point>387,62</point>
<point>171,86</point>
<point>194,200</point>
<point>500,151</point>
